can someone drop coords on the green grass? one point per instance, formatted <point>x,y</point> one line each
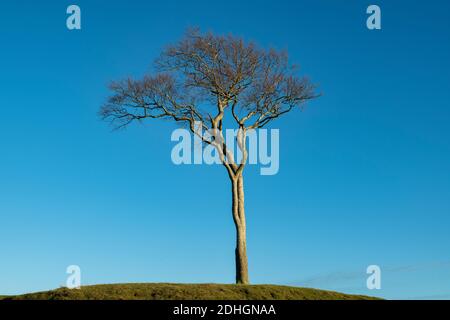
<point>166,291</point>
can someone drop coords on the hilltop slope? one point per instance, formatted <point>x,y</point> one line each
<point>167,291</point>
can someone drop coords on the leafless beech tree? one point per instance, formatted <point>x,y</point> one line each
<point>206,78</point>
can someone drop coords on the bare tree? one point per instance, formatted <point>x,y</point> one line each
<point>206,78</point>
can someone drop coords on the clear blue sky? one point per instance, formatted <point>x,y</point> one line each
<point>364,170</point>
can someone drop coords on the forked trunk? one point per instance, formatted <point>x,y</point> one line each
<point>239,221</point>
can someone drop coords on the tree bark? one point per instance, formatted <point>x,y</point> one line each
<point>239,221</point>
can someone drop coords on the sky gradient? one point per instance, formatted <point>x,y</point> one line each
<point>364,170</point>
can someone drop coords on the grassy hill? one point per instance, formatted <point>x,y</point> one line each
<point>166,291</point>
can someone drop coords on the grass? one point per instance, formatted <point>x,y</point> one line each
<point>167,291</point>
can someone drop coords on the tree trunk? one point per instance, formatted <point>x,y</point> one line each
<point>239,221</point>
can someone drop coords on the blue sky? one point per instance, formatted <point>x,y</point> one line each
<point>364,170</point>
